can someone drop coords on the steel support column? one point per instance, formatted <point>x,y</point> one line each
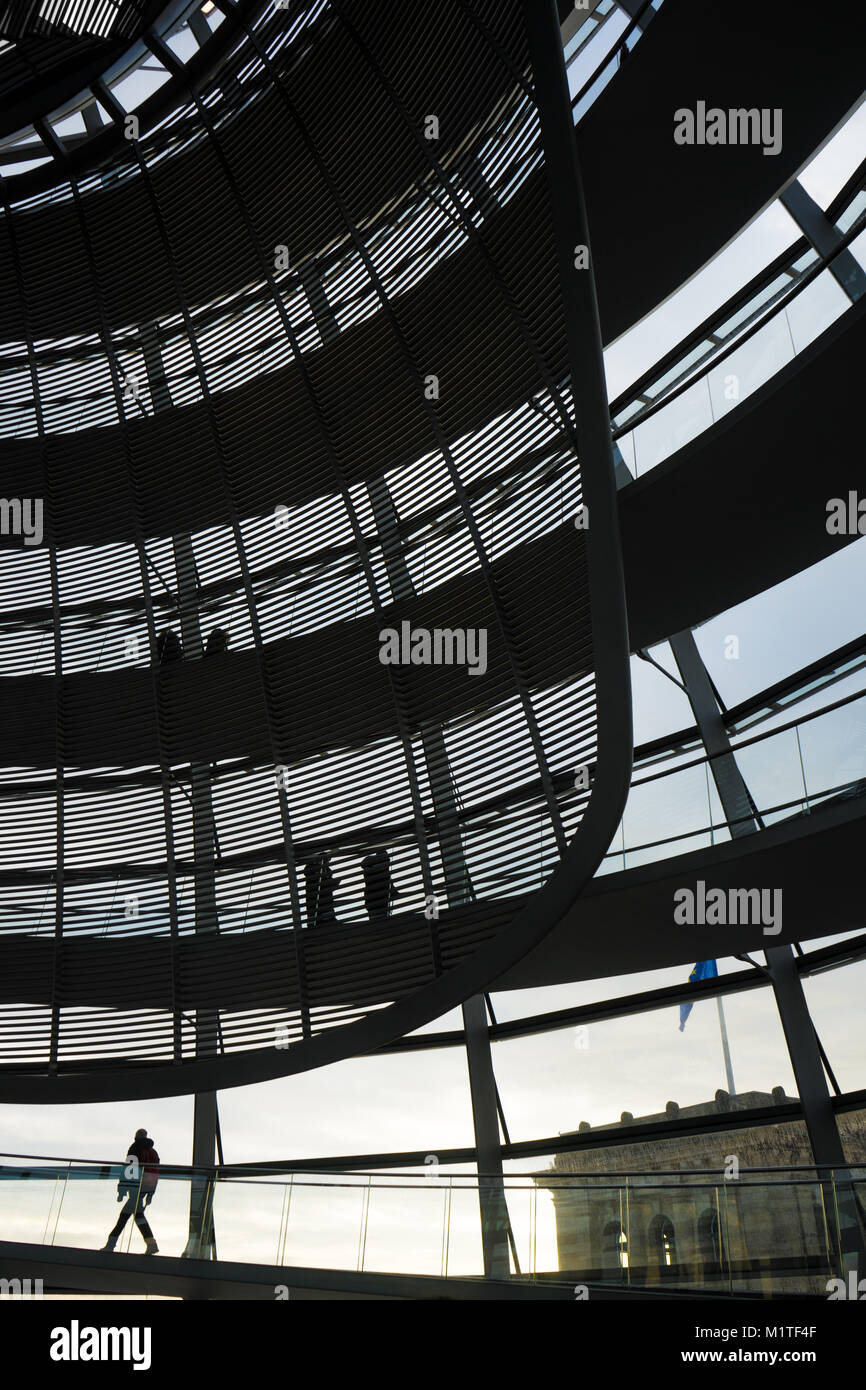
<point>482,1084</point>
<point>633,8</point>
<point>826,239</point>
<point>590,424</point>
<point>577,17</point>
<point>591,432</point>
<point>205,1119</point>
<point>495,1221</point>
<point>733,793</point>
<point>800,1035</point>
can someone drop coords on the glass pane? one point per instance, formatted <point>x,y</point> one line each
<point>815,308</point>
<point>786,627</point>
<point>642,1066</point>
<point>747,1231</point>
<point>749,366</point>
<point>672,427</point>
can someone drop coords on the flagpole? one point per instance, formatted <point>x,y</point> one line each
<point>725,1048</point>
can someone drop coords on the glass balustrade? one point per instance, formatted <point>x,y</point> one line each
<point>789,772</point>
<point>734,376</point>
<point>761,1233</point>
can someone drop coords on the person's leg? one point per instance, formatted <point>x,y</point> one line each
<point>143,1225</point>
<point>125,1213</point>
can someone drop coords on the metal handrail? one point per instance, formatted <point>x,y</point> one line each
<point>232,1172</point>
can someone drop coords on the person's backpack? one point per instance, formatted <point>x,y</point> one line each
<point>149,1169</point>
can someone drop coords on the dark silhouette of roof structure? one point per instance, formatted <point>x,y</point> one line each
<point>295,369</point>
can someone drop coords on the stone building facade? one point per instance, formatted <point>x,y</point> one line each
<point>729,1228</point>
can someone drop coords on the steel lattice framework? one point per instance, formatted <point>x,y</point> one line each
<point>296,362</point>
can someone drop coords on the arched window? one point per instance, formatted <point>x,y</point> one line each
<point>614,1246</point>
<point>662,1241</point>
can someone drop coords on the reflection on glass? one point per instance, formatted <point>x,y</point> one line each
<point>760,1233</point>
<point>746,368</point>
<point>672,427</point>
<point>815,308</point>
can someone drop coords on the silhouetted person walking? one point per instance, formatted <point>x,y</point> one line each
<point>379,887</point>
<point>319,884</point>
<point>168,647</point>
<point>217,642</point>
<point>137,1185</point>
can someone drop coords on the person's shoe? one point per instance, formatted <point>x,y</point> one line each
<point>152,1247</point>
<point>109,1246</point>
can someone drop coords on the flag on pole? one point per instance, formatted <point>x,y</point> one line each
<point>704,970</point>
